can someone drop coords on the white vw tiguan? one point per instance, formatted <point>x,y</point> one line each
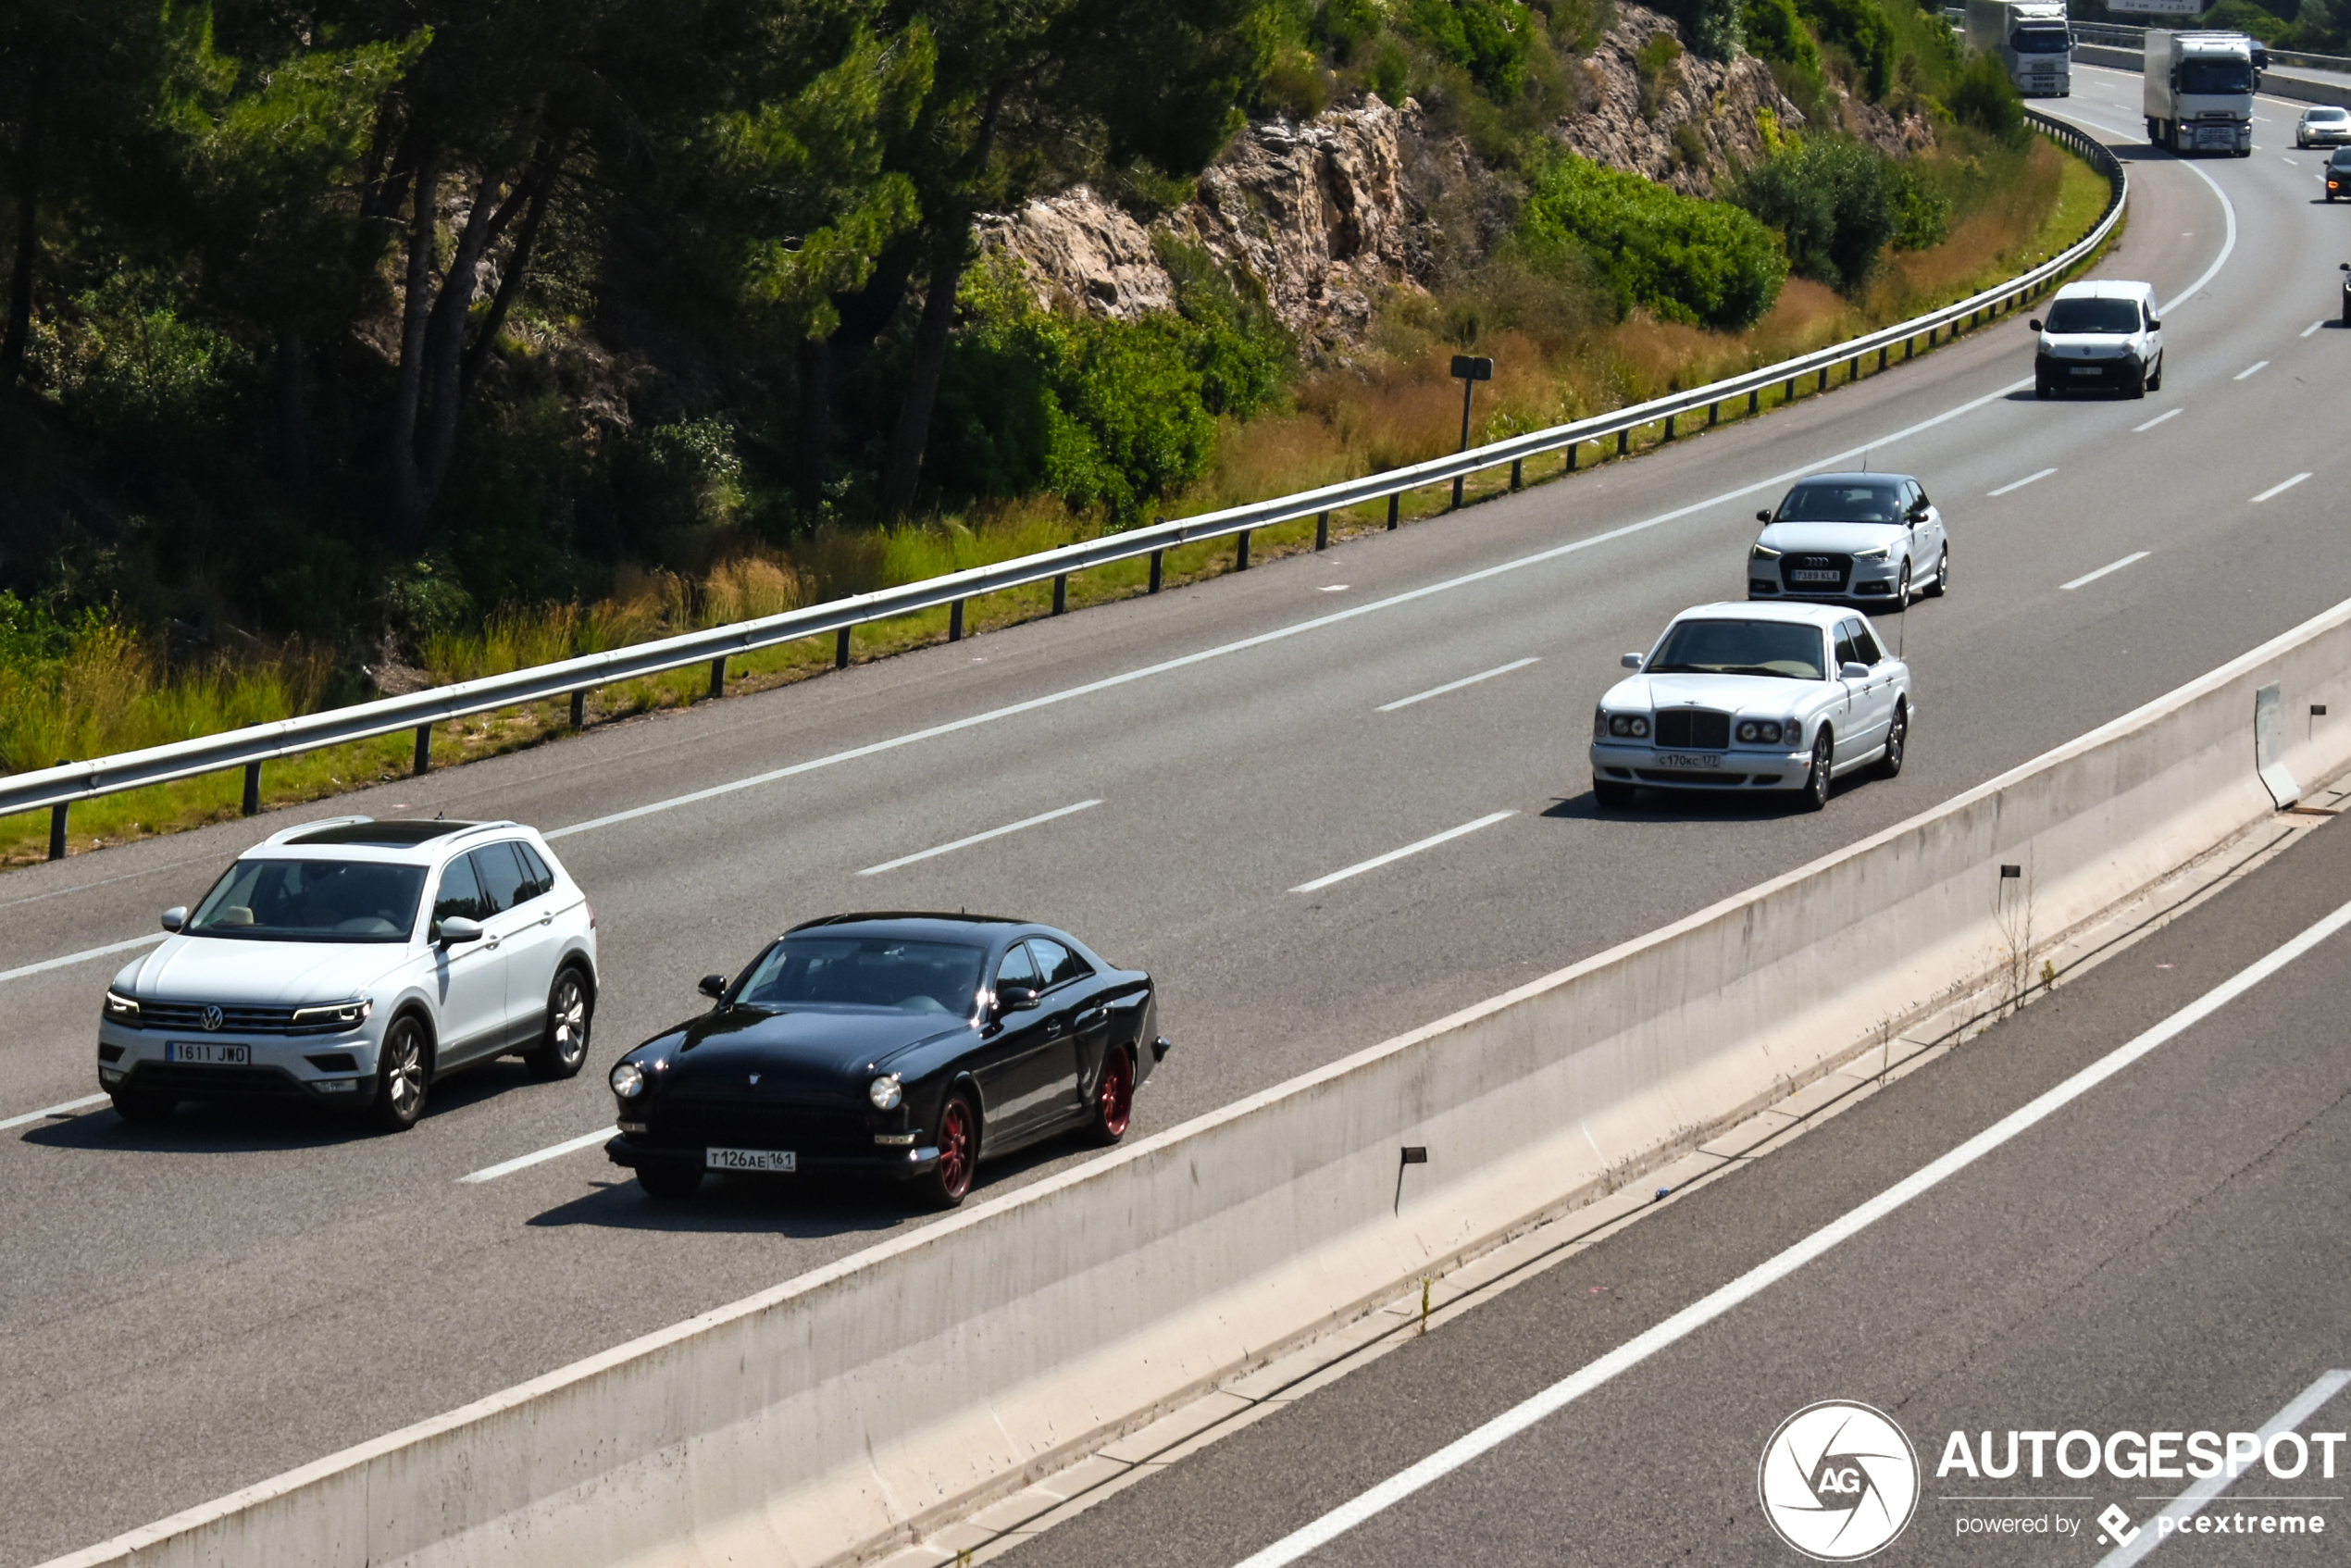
<point>353,963</point>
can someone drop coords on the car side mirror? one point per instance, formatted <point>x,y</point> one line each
<point>1762,517</point>
<point>1015,999</point>
<point>175,917</point>
<point>456,931</point>
<point>2035,324</point>
<point>2347,266</point>
<point>1631,661</point>
<point>1918,513</point>
<point>713,986</point>
<point>1853,670</point>
<point>2153,325</point>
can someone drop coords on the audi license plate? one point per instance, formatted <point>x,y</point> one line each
<point>1702,765</point>
<point>750,1160</point>
<point>208,1053</point>
<point>1812,574</point>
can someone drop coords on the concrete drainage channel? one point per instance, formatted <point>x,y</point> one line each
<point>1235,1258</point>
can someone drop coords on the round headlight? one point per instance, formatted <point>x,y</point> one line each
<point>886,1092</point>
<point>627,1081</point>
<point>1751,730</point>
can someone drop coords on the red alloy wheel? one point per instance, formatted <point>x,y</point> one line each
<point>957,1140</point>
<point>1114,1101</point>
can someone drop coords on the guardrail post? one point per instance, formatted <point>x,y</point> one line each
<point>1824,378</point>
<point>1930,336</point>
<point>1240,556</point>
<point>1395,510</point>
<point>1713,414</point>
<point>1518,473</point>
<point>1159,569</point>
<point>1571,455</point>
<point>580,710</point>
<point>718,676</point>
<point>1853,371</point>
<point>1060,592</point>
<point>58,830</point>
<point>1880,356</point>
<point>424,750</point>
<point>1909,348</point>
<point>1322,530</point>
<point>1457,489</point>
<point>1623,443</point>
<point>840,649</point>
<point>955,620</point>
<point>1755,400</point>
<point>1787,393</point>
<point>253,790</point>
<point>1669,426</point>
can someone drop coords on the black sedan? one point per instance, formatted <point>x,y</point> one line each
<point>908,1046</point>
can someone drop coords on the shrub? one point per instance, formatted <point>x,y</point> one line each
<point>1655,64</point>
<point>1774,31</point>
<point>1836,203</point>
<point>1486,38</point>
<point>1686,259</point>
<point>1984,98</point>
<point>1862,29</point>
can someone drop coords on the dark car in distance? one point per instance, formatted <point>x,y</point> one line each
<point>895,1045</point>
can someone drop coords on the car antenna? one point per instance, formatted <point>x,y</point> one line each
<point>442,815</point>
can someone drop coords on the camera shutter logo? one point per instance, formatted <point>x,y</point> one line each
<point>1838,1481</point>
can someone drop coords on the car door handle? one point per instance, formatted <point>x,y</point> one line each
<point>1052,1027</point>
<point>1092,1014</point>
<point>547,919</point>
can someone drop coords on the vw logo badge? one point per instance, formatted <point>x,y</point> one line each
<point>754,1078</point>
<point>211,1015</point>
<point>1838,1481</point>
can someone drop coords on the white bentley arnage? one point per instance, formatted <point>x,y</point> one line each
<point>1756,696</point>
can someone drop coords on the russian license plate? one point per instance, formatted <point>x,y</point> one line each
<point>750,1160</point>
<point>1812,574</point>
<point>208,1053</point>
<point>1678,759</point>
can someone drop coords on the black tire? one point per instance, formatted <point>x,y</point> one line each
<point>2154,381</point>
<point>1902,588</point>
<point>571,1010</point>
<point>1940,583</point>
<point>1897,741</point>
<point>142,1110</point>
<point>1114,1100</point>
<point>403,1076</point>
<point>949,1181</point>
<point>669,1181</point>
<point>1609,796</point>
<point>2041,390</point>
<point>2138,387</point>
<point>1814,795</point>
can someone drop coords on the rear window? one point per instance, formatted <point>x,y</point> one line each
<point>311,901</point>
<point>1843,501</point>
<point>2111,317</point>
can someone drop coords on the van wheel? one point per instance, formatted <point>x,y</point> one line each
<point>2155,383</point>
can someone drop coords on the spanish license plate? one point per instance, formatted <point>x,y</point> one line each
<point>1697,764</point>
<point>750,1160</point>
<point>208,1053</point>
<point>2085,369</point>
<point>1812,574</point>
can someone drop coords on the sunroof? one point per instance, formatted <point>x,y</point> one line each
<point>394,835</point>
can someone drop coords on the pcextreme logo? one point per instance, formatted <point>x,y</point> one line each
<point>1838,1481</point>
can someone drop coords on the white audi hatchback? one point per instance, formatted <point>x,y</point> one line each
<point>319,969</point>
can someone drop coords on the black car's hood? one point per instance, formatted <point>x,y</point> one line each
<point>812,1045</point>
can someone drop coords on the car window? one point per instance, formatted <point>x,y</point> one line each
<point>1056,963</point>
<point>460,897</point>
<point>504,881</point>
<point>1788,649</point>
<point>311,901</point>
<point>1019,969</point>
<point>1844,653</point>
<point>1865,646</point>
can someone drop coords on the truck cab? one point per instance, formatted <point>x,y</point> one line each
<point>2198,91</point>
<point>2031,38</point>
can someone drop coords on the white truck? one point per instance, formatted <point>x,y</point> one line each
<point>2031,38</point>
<point>2199,92</point>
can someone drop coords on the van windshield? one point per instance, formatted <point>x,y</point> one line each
<point>2216,76</point>
<point>2116,317</point>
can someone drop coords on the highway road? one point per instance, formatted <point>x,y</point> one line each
<point>2165,1252</point>
<point>192,1308</point>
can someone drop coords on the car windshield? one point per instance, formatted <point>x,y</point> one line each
<point>1843,501</point>
<point>839,971</point>
<point>2110,317</point>
<point>2324,117</point>
<point>311,901</point>
<point>2216,76</point>
<point>2045,39</point>
<point>2341,158</point>
<point>1789,650</point>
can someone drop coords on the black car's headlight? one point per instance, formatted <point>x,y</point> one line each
<point>1633,725</point>
<point>887,1092</point>
<point>340,1015</point>
<point>628,1081</point>
<point>1759,731</point>
<point>122,1009</point>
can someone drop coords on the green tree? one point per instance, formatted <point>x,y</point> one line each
<point>1684,258</point>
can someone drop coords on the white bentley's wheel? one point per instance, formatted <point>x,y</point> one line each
<point>1815,793</point>
<point>1897,741</point>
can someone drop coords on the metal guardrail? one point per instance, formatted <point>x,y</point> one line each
<point>2115,35</point>
<point>55,789</point>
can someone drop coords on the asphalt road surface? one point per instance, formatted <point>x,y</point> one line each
<point>2168,1252</point>
<point>191,1308</point>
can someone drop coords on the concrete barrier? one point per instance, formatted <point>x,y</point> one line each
<point>836,1414</point>
<point>2278,82</point>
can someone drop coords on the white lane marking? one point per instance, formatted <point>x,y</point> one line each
<point>1377,861</point>
<point>553,1152</point>
<point>1333,588</point>
<point>2256,364</point>
<point>2314,326</point>
<point>2136,556</point>
<point>2299,1409</point>
<point>1698,1313</point>
<point>2167,414</point>
<point>82,957</point>
<point>1263,638</point>
<point>978,838</point>
<point>2228,243</point>
<point>2023,482</point>
<point>1455,685</point>
<point>68,1108</point>
<point>2281,488</point>
<point>2282,158</point>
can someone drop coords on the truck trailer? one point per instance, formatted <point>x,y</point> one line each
<point>2199,92</point>
<point>2031,38</point>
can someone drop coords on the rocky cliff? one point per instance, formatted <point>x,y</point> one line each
<point>1639,125</point>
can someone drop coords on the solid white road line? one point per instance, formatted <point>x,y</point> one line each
<point>2314,326</point>
<point>978,838</point>
<point>1455,685</point>
<point>2135,556</point>
<point>2256,364</point>
<point>1698,1313</point>
<point>2167,414</point>
<point>2191,1502</point>
<point>2021,483</point>
<point>2281,488</point>
<point>2228,242</point>
<point>1377,861</point>
<point>82,957</point>
<point>68,1108</point>
<point>554,1151</point>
